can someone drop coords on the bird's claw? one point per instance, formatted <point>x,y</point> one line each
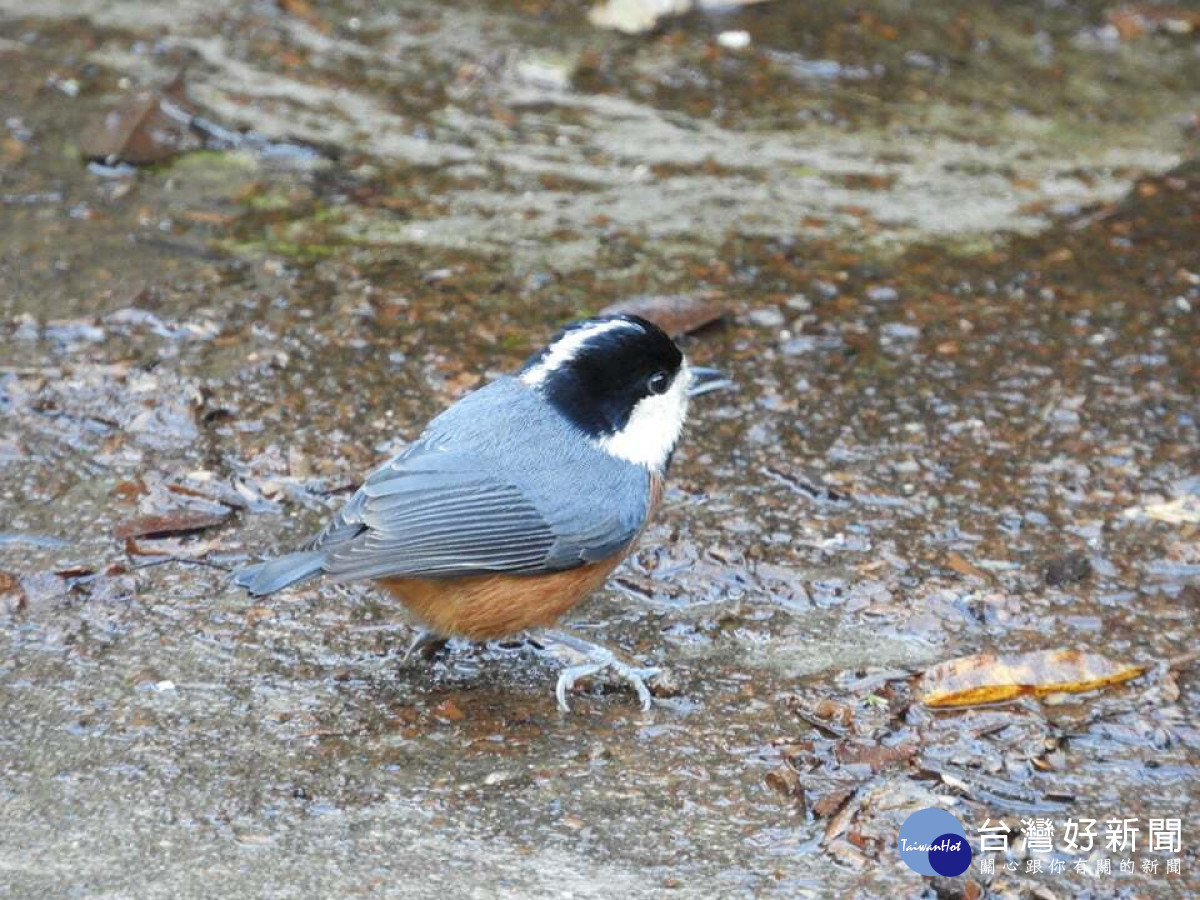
<point>427,644</point>
<point>637,676</point>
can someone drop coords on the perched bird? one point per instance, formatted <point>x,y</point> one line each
<point>519,500</point>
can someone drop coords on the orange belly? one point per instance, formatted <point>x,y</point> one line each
<point>484,607</point>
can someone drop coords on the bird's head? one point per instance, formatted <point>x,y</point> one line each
<point>622,382</point>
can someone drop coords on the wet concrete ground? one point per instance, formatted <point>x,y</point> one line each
<point>962,315</point>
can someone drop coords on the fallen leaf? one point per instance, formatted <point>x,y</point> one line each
<point>1180,511</point>
<point>830,803</point>
<point>256,614</point>
<point>847,856</point>
<point>840,820</point>
<point>449,710</point>
<point>832,711</point>
<point>833,719</point>
<point>171,523</point>
<point>785,781</point>
<point>301,9</point>
<point>74,572</point>
<point>130,490</point>
<point>675,314</point>
<point>877,756</point>
<point>144,128</point>
<point>963,567</point>
<point>12,151</point>
<point>165,549</point>
<point>1134,21</point>
<point>255,838</point>
<point>207,217</point>
<point>12,595</point>
<point>992,678</point>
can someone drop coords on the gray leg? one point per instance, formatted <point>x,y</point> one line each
<point>426,645</point>
<point>594,659</point>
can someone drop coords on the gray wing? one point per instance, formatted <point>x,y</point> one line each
<point>499,482</point>
<point>435,513</point>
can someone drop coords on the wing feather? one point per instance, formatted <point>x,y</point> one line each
<point>499,482</point>
<point>435,516</point>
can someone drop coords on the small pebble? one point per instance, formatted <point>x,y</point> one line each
<point>1068,569</point>
<point>898,331</point>
<point>767,317</point>
<point>734,40</point>
<point>799,346</point>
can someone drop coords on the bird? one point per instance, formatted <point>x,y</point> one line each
<point>517,501</point>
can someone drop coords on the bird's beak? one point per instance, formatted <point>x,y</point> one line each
<point>705,379</point>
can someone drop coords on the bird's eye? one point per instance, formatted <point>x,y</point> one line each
<point>659,382</point>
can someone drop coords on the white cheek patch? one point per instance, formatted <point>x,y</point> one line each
<point>567,347</point>
<point>654,426</point>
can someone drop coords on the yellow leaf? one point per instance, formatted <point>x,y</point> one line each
<point>992,678</point>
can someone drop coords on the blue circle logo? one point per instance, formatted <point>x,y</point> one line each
<point>933,842</point>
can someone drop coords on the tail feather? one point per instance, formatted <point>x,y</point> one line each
<point>275,574</point>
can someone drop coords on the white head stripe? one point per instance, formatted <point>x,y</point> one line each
<point>567,347</point>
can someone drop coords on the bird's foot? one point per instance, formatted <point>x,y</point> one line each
<point>426,645</point>
<point>597,659</point>
<point>636,676</point>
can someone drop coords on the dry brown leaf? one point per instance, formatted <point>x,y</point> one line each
<point>963,567</point>
<point>12,151</point>
<point>450,711</point>
<point>12,595</point>
<point>146,127</point>
<point>302,9</point>
<point>992,678</point>
<point>840,820</point>
<point>785,781</point>
<point>256,614</point>
<point>675,314</point>
<point>1134,21</point>
<point>830,803</point>
<point>171,523</point>
<point>877,756</point>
